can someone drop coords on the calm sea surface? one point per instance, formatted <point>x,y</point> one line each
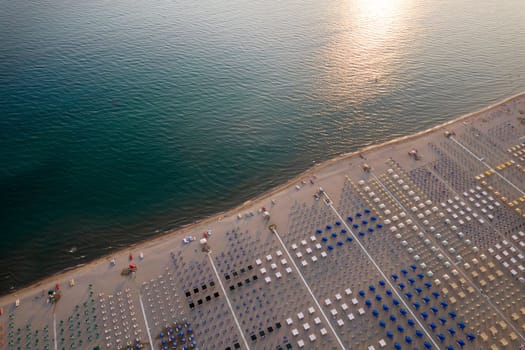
<point>122,119</point>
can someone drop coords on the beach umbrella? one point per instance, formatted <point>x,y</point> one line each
<point>461,343</point>
<point>388,292</point>
<point>379,226</point>
<point>330,247</point>
<point>381,283</point>
<point>350,218</point>
<point>395,302</point>
<point>349,239</point>
<point>338,223</point>
<point>334,235</point>
<point>367,211</point>
<point>419,333</point>
<point>432,326</point>
<point>375,313</point>
<point>441,337</point>
<point>343,231</point>
<point>403,312</point>
<point>408,339</point>
<point>427,345</point>
<point>400,328</point>
<point>471,336</point>
<point>452,331</point>
<point>397,346</point>
<point>411,322</point>
<point>389,334</point>
<point>382,323</point>
<point>318,231</point>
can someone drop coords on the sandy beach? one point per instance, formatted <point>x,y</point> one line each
<point>433,220</point>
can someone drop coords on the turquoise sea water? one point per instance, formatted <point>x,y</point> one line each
<point>122,119</point>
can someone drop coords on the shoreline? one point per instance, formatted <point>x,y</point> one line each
<point>233,211</point>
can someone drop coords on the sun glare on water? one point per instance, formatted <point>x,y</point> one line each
<point>367,45</point>
<point>378,8</point>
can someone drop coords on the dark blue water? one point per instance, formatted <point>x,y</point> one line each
<point>122,119</point>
